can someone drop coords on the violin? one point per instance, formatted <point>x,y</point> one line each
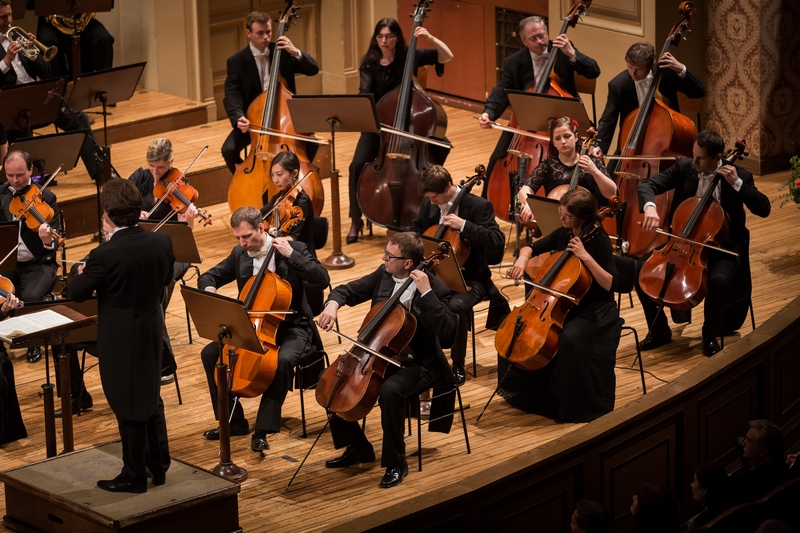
<point>350,387</point>
<point>655,130</point>
<point>676,275</point>
<point>173,189</point>
<point>266,297</point>
<point>6,288</point>
<point>284,205</point>
<point>29,207</point>
<point>533,148</point>
<point>459,245</point>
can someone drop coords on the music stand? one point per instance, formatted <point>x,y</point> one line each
<point>24,109</point>
<point>220,317</point>
<point>335,112</point>
<point>49,151</point>
<point>546,212</point>
<point>47,336</point>
<point>534,110</point>
<point>9,242</point>
<point>183,244</point>
<point>447,270</point>
<point>18,9</point>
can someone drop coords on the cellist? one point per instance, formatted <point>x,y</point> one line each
<point>523,69</point>
<point>248,77</point>
<point>627,89</point>
<point>294,264</point>
<point>691,177</point>
<point>578,385</point>
<point>427,299</point>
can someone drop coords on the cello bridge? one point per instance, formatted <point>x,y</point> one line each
<point>519,153</point>
<point>264,156</point>
<point>393,155</point>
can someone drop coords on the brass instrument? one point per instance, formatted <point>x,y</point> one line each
<point>70,24</point>
<point>30,47</point>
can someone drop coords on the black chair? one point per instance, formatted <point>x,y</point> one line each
<point>186,309</point>
<point>306,377</point>
<point>626,276</point>
<point>742,518</point>
<point>320,239</point>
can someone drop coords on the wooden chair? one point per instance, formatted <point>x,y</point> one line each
<point>782,503</point>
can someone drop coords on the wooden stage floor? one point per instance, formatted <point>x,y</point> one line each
<point>321,498</point>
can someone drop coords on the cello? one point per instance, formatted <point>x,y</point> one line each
<point>676,275</point>
<point>270,112</point>
<point>350,386</point>
<point>266,297</point>
<point>651,130</point>
<point>391,179</point>
<point>535,149</point>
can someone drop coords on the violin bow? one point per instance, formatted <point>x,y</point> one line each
<point>174,184</point>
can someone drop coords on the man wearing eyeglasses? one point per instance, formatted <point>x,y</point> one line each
<point>424,362</point>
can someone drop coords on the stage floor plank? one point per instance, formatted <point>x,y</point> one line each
<point>321,498</point>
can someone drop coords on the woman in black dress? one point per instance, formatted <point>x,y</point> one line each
<point>381,71</point>
<point>578,385</point>
<point>285,172</point>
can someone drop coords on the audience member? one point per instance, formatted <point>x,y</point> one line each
<point>654,510</point>
<point>763,466</point>
<point>710,488</point>
<point>590,517</point>
<point>775,526</point>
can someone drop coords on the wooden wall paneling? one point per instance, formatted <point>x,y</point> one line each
<point>786,395</point>
<point>227,37</point>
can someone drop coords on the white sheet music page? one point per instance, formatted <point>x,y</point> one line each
<point>25,324</point>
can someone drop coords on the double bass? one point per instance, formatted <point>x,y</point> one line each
<point>651,130</point>
<point>387,187</point>
<point>269,117</point>
<point>676,275</point>
<point>534,148</point>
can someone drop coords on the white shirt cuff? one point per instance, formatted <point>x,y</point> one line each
<point>683,72</point>
<point>648,203</point>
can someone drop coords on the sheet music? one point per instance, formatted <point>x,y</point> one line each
<point>23,325</point>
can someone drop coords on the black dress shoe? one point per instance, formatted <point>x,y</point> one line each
<point>237,430</point>
<point>352,455</point>
<point>159,480</point>
<point>394,475</point>
<point>652,342</point>
<point>459,374</point>
<point>33,355</point>
<point>356,228</point>
<point>710,346</point>
<point>86,404</point>
<point>259,444</point>
<point>120,485</point>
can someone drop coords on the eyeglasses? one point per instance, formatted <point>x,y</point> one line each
<point>565,217</point>
<point>386,37</point>
<point>390,256</point>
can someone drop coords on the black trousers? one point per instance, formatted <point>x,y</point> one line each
<point>97,48</point>
<point>11,425</point>
<point>145,446</point>
<point>462,304</point>
<point>396,389</point>
<point>32,279</point>
<point>295,344</point>
<point>722,270</point>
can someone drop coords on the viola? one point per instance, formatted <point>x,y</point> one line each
<point>458,244</point>
<point>387,187</point>
<point>173,189</point>
<point>651,130</point>
<point>266,297</point>
<point>6,288</point>
<point>534,149</point>
<point>269,117</point>
<point>350,387</point>
<point>676,275</point>
<point>29,207</point>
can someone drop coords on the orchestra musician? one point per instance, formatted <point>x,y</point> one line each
<point>688,178</point>
<point>380,72</point>
<point>475,220</point>
<point>129,273</point>
<point>17,69</point>
<point>36,267</point>
<point>248,77</point>
<point>11,425</point>
<point>285,172</point>
<point>560,166</point>
<point>578,385</point>
<point>427,298</point>
<point>627,90</point>
<point>523,69</point>
<point>293,263</point>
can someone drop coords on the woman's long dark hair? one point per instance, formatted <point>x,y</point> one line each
<point>374,54</point>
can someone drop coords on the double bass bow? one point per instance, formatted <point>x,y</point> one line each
<point>269,118</point>
<point>533,146</point>
<point>387,187</point>
<point>676,275</point>
<point>651,130</point>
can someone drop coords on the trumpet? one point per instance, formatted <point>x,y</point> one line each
<point>30,47</point>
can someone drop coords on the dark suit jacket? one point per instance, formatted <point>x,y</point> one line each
<point>300,266</point>
<point>129,273</point>
<point>750,484</point>
<point>682,178</point>
<point>622,99</point>
<point>36,68</point>
<point>31,237</point>
<point>480,229</point>
<point>242,85</point>
<point>518,75</point>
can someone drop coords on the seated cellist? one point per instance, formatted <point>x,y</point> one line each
<point>293,263</point>
<point>578,385</point>
<point>427,300</point>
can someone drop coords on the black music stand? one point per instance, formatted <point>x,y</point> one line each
<point>71,7</point>
<point>9,242</point>
<point>534,111</point>
<point>24,108</point>
<point>220,317</point>
<point>49,151</point>
<point>335,112</point>
<point>183,244</point>
<point>47,336</point>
